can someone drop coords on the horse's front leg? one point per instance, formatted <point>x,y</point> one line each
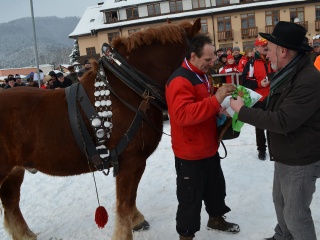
<point>14,222</point>
<point>128,216</point>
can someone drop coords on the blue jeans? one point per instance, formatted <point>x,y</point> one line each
<point>293,188</point>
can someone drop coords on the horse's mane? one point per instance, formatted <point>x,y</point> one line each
<point>170,33</point>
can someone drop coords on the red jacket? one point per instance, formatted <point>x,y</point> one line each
<point>261,68</point>
<point>192,113</point>
<point>229,68</point>
<point>243,61</point>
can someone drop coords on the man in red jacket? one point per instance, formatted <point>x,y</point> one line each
<point>192,111</point>
<point>255,76</point>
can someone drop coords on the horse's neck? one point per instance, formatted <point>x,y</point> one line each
<point>156,61</point>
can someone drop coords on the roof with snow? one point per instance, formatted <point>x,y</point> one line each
<point>110,4</point>
<point>93,19</point>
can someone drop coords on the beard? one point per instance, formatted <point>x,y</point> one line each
<point>274,66</point>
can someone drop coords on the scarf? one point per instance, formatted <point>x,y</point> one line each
<point>280,76</point>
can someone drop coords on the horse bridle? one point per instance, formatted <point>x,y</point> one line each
<point>97,153</point>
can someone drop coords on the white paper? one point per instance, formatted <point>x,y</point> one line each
<point>255,97</point>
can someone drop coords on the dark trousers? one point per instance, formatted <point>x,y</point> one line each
<point>197,181</point>
<point>260,133</point>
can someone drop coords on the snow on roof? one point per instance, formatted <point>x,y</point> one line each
<point>84,26</point>
<point>110,4</point>
<point>88,21</point>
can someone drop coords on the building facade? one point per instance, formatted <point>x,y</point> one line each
<point>229,22</point>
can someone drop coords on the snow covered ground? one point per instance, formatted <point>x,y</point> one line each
<point>62,208</point>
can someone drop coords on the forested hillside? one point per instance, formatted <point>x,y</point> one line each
<point>17,42</point>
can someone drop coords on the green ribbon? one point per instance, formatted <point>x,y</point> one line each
<point>245,96</point>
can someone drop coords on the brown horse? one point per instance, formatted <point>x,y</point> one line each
<point>30,118</point>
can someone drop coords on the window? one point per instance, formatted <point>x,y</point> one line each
<point>247,21</point>
<point>92,20</point>
<point>222,2</point>
<point>318,12</point>
<point>175,6</point>
<point>153,9</point>
<point>224,23</point>
<point>112,35</point>
<point>132,13</point>
<point>226,46</point>
<point>249,44</point>
<point>131,31</point>
<point>204,25</point>
<point>198,4</point>
<point>297,14</point>
<point>91,51</point>
<point>111,17</point>
<point>272,17</point>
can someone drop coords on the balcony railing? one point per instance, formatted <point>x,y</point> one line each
<point>249,32</point>
<point>317,25</point>
<point>225,35</point>
<point>269,29</point>
<point>304,24</point>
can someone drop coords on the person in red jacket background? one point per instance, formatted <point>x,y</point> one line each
<point>255,76</point>
<point>230,67</point>
<point>193,110</point>
<point>248,54</point>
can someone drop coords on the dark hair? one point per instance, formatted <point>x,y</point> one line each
<point>196,44</point>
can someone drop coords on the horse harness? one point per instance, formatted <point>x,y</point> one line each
<point>100,116</point>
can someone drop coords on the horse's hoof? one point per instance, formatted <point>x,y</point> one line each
<point>142,226</point>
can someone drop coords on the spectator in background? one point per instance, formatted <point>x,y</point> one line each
<point>317,63</point>
<point>229,51</point>
<point>19,82</point>
<point>32,83</point>
<point>230,67</point>
<point>223,59</point>
<point>236,54</point>
<point>63,81</point>
<point>48,82</point>
<point>255,76</point>
<point>54,78</point>
<point>248,54</point>
<point>11,82</point>
<point>80,75</point>
<point>220,51</point>
<point>87,66</point>
<point>315,53</point>
<point>72,74</point>
<point>215,70</point>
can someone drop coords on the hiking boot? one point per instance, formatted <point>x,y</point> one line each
<point>262,155</point>
<point>270,238</point>
<point>219,223</point>
<point>185,238</point>
<point>32,170</point>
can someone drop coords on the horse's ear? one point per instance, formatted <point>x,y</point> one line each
<point>196,26</point>
<point>168,20</point>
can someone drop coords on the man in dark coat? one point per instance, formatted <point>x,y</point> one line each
<point>292,120</point>
<point>62,81</point>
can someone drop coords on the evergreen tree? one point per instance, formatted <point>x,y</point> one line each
<point>75,54</point>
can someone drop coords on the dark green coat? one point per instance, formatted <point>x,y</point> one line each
<point>292,117</point>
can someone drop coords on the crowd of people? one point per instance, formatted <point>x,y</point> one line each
<point>52,80</point>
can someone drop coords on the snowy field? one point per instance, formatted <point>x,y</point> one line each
<point>60,208</point>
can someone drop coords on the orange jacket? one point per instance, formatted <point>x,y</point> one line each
<point>317,63</point>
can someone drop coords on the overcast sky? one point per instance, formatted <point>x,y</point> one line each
<point>15,9</point>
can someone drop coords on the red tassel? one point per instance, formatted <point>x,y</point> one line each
<point>101,217</point>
